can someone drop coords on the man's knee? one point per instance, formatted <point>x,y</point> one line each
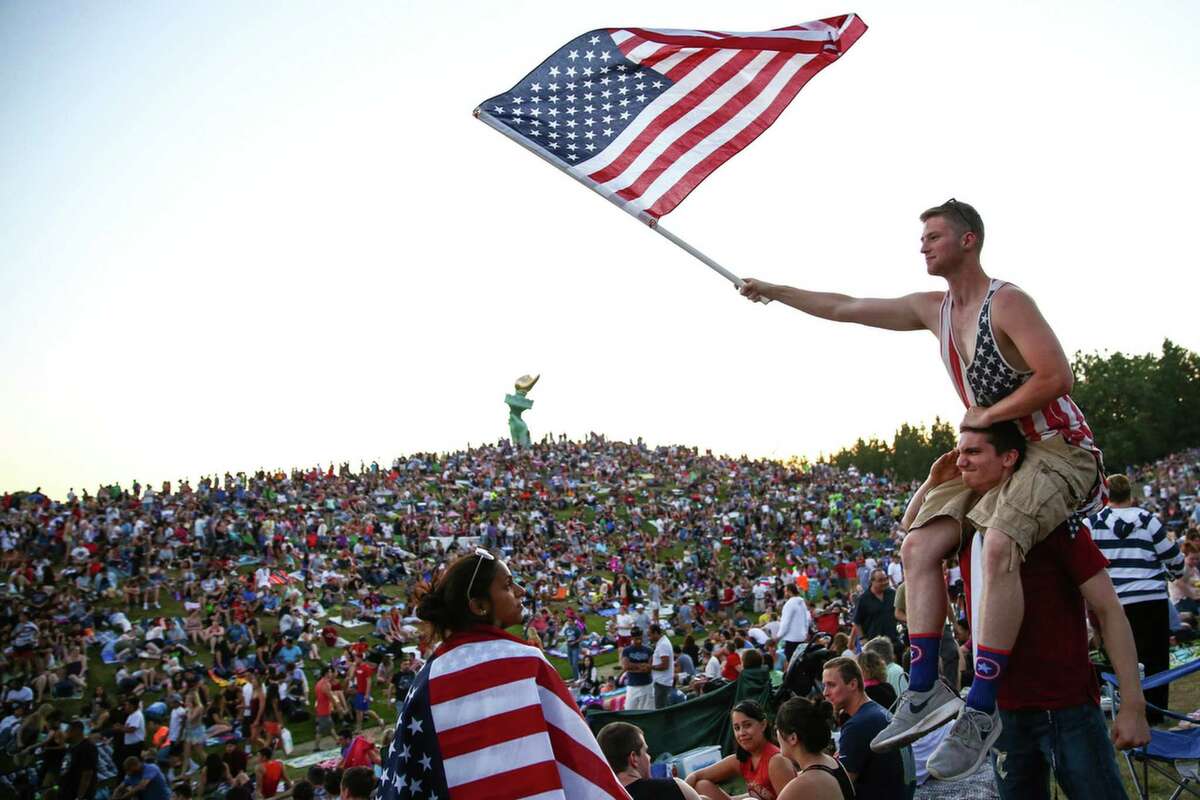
<point>929,544</point>
<point>1000,553</point>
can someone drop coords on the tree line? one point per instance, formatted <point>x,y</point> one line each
<point>1140,408</point>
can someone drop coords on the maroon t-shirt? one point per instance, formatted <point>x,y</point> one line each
<point>1049,667</point>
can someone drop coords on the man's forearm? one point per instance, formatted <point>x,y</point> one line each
<point>825,305</point>
<point>1119,645</point>
<point>1033,395</point>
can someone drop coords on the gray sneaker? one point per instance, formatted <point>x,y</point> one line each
<point>969,742</point>
<point>916,714</point>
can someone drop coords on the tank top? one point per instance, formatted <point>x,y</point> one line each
<point>654,789</point>
<point>989,378</point>
<point>839,774</point>
<point>758,779</point>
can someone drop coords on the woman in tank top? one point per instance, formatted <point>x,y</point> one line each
<point>805,731</point>
<point>764,769</point>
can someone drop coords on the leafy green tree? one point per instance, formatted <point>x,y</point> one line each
<point>1140,408</point>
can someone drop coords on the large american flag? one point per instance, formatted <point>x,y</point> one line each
<point>643,116</point>
<point>488,717</point>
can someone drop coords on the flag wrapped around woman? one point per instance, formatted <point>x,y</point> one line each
<point>488,716</point>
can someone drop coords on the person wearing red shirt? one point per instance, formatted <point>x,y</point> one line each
<point>732,669</point>
<point>1047,696</point>
<point>357,751</point>
<point>324,707</point>
<point>270,773</point>
<point>363,673</point>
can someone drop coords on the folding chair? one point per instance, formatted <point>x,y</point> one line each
<point>1166,748</point>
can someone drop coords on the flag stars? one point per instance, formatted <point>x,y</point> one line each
<point>570,123</point>
<point>570,98</point>
<point>570,87</point>
<point>624,114</point>
<point>606,94</point>
<point>425,762</point>
<point>589,55</point>
<point>591,148</point>
<point>586,71</point>
<point>621,67</point>
<point>552,87</point>
<point>622,78</point>
<point>657,84</point>
<point>624,102</point>
<point>589,122</point>
<point>589,96</point>
<point>607,118</point>
<point>606,106</point>
<point>572,72</point>
<point>608,131</point>
<point>641,98</point>
<point>518,100</point>
<point>605,81</point>
<point>604,56</point>
<point>595,40</point>
<point>589,134</point>
<point>498,109</point>
<point>535,87</point>
<point>622,90</point>
<point>415,728</point>
<point>641,86</point>
<point>574,54</point>
<point>554,73</point>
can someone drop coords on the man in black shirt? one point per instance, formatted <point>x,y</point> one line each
<point>875,614</point>
<point>625,749</point>
<point>79,781</point>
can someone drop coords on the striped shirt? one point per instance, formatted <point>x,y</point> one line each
<point>1141,557</point>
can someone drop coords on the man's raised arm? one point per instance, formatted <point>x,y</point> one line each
<point>912,312</point>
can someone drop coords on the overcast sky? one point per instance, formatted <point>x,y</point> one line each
<point>271,234</point>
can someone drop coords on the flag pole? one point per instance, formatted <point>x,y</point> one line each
<point>651,222</point>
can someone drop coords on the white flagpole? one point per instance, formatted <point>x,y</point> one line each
<point>650,221</point>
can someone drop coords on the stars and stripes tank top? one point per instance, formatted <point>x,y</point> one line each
<point>989,378</point>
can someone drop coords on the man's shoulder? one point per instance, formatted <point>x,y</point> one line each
<point>870,717</point>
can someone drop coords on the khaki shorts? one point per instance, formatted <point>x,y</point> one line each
<point>1052,481</point>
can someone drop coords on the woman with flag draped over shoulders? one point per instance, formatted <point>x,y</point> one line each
<point>488,716</point>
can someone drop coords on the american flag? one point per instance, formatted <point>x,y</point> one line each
<point>488,717</point>
<point>643,116</point>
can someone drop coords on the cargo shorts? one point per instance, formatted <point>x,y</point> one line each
<point>1052,482</point>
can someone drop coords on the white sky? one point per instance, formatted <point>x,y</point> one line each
<point>271,234</point>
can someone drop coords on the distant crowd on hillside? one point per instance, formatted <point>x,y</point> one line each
<point>245,603</point>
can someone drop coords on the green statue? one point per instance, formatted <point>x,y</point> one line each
<point>517,404</point>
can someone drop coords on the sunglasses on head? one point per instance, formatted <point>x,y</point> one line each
<point>957,207</point>
<point>482,555</point>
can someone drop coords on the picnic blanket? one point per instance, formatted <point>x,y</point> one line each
<point>353,624</point>
<point>300,762</point>
<point>584,650</point>
<point>109,653</point>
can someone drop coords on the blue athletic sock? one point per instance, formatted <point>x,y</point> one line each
<point>989,666</point>
<point>923,667</point>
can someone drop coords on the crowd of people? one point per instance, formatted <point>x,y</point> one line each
<point>168,640</point>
